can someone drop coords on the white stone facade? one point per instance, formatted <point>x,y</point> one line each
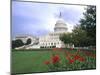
<point>51,40</point>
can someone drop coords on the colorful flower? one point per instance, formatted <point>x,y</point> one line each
<point>55,59</point>
<point>76,57</point>
<point>81,59</point>
<point>71,61</point>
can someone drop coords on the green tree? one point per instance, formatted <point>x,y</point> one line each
<point>66,38</point>
<point>28,41</point>
<point>88,23</point>
<point>17,43</point>
<point>79,37</point>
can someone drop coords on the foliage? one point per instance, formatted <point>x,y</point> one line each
<point>72,60</point>
<point>28,41</point>
<point>17,43</point>
<point>80,37</point>
<point>66,38</point>
<point>88,23</point>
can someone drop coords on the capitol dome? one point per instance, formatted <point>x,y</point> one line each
<point>60,26</point>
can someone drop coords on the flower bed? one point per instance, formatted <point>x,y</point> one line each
<point>73,60</point>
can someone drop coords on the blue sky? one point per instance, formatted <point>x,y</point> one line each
<point>39,18</point>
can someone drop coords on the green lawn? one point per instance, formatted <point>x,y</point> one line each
<point>32,61</point>
<point>29,61</point>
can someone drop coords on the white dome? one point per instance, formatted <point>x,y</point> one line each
<point>60,26</point>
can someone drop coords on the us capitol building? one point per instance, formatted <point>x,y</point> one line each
<point>51,40</point>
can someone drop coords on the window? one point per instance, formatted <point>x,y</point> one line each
<point>51,43</point>
<point>58,42</point>
<point>54,43</point>
<point>46,44</point>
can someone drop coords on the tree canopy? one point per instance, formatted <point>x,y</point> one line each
<point>66,38</point>
<point>88,23</point>
<point>28,41</point>
<point>17,43</point>
<point>83,34</point>
<point>79,37</point>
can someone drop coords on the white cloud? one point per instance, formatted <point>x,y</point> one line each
<point>46,13</point>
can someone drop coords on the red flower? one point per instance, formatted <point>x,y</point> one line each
<point>55,59</point>
<point>71,61</point>
<point>76,57</point>
<point>81,59</point>
<point>47,62</point>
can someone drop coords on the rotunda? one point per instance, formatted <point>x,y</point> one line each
<point>60,26</point>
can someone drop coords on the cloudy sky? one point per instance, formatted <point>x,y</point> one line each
<point>40,18</point>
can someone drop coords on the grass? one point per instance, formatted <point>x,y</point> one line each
<point>33,61</point>
<point>29,61</point>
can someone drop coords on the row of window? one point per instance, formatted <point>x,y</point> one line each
<point>48,47</point>
<point>52,43</point>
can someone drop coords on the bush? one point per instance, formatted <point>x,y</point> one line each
<point>17,43</point>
